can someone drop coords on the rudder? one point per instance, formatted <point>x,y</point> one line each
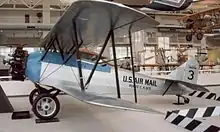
<point>187,72</point>
<point>191,71</point>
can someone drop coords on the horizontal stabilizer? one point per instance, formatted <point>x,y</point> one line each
<point>194,86</point>
<point>107,101</point>
<point>186,75</point>
<point>187,84</point>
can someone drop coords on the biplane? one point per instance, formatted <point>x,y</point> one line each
<point>60,68</point>
<point>201,23</point>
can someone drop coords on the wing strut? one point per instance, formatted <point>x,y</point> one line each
<point>110,34</point>
<point>48,48</point>
<point>115,64</point>
<point>132,63</point>
<point>98,59</point>
<point>78,57</point>
<point>168,87</point>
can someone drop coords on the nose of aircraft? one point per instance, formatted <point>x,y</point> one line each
<point>33,66</point>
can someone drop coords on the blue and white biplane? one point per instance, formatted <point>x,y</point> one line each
<point>59,67</point>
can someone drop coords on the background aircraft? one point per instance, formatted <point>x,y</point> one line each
<point>200,23</point>
<point>161,5</point>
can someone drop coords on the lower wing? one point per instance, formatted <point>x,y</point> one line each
<point>106,101</point>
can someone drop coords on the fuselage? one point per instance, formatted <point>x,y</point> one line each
<point>51,71</point>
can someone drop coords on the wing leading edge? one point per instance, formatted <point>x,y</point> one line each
<point>93,20</point>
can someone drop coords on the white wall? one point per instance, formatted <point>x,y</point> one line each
<point>54,16</point>
<point>167,20</point>
<point>17,16</point>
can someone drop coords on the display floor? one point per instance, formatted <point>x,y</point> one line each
<point>76,116</point>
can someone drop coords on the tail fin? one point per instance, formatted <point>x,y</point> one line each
<point>187,72</point>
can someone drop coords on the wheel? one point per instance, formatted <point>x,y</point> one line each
<point>186,100</point>
<point>33,95</point>
<point>46,106</point>
<point>199,36</point>
<point>189,37</point>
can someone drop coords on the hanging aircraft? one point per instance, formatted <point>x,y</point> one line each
<point>200,23</point>
<point>162,5</point>
<point>59,67</point>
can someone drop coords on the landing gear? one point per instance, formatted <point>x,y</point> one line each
<point>33,95</point>
<point>186,100</point>
<point>189,37</point>
<point>199,35</point>
<point>46,106</point>
<point>38,90</point>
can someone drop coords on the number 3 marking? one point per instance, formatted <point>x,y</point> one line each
<point>192,75</point>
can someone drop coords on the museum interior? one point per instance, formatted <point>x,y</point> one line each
<point>74,65</point>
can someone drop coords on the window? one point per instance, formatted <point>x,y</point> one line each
<point>121,52</point>
<point>164,42</point>
<point>27,18</point>
<point>4,51</point>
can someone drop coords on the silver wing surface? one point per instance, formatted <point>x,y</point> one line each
<point>93,19</point>
<point>90,98</point>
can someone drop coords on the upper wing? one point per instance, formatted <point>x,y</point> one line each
<point>93,19</point>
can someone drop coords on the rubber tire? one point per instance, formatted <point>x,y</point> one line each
<point>186,100</point>
<point>189,37</point>
<point>199,36</point>
<point>31,96</point>
<point>34,106</point>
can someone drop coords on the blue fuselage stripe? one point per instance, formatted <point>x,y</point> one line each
<point>33,64</point>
